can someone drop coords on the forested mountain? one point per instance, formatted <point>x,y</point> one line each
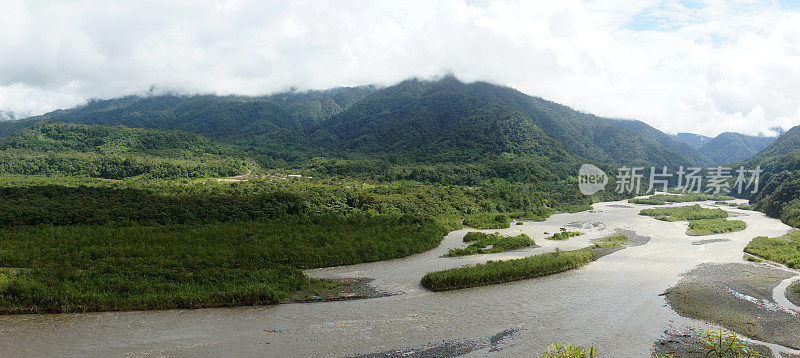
<point>731,147</point>
<point>312,107</point>
<point>779,192</point>
<point>49,148</point>
<point>787,142</point>
<point>438,122</point>
<point>668,141</point>
<point>424,105</point>
<point>416,121</point>
<point>247,121</point>
<point>586,135</point>
<point>694,140</point>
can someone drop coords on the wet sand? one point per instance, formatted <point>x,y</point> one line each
<point>738,297</point>
<point>337,290</point>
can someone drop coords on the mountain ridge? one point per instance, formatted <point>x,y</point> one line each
<point>439,116</point>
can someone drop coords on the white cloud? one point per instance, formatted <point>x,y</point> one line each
<point>678,65</point>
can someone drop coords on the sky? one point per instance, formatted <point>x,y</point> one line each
<point>679,65</point>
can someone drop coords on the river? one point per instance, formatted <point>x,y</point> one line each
<point>612,303</point>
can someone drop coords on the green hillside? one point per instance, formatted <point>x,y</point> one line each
<point>292,127</point>
<point>412,115</point>
<point>694,140</point>
<point>779,192</point>
<point>731,147</point>
<point>585,135</point>
<point>438,122</point>
<point>117,152</point>
<point>667,141</point>
<point>312,107</point>
<point>784,144</point>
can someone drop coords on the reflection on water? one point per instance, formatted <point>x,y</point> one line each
<point>613,303</point>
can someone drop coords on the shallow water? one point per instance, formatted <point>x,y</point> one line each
<point>613,303</point>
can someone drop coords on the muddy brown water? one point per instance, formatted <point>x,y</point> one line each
<point>612,303</point>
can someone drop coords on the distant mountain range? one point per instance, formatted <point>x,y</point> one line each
<point>730,147</point>
<point>486,127</point>
<point>727,147</point>
<point>694,140</point>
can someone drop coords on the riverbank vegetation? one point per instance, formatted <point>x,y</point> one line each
<point>682,213</point>
<point>613,241</point>
<point>494,272</point>
<point>717,344</point>
<point>109,267</point>
<point>563,234</point>
<point>663,199</point>
<point>569,351</point>
<point>784,250</point>
<point>490,244</point>
<point>75,244</point>
<point>715,226</point>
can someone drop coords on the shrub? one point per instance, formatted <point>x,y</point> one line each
<point>564,234</point>
<point>784,250</point>
<point>569,351</point>
<point>498,244</point>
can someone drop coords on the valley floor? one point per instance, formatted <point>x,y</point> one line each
<point>615,303</point>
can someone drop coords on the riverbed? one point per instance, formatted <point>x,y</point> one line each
<point>613,303</point>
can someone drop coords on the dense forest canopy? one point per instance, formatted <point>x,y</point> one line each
<point>779,192</point>
<point>117,152</point>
